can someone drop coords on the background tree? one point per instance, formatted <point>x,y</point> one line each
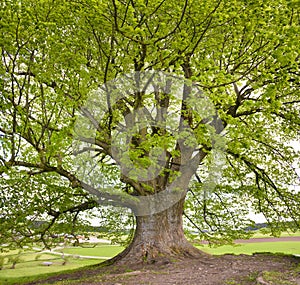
<point>243,56</point>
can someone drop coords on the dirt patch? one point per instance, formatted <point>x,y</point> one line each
<point>268,239</point>
<point>209,270</point>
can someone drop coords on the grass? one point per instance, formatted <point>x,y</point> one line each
<point>30,266</point>
<point>35,268</point>
<point>277,278</point>
<point>290,247</point>
<point>102,250</point>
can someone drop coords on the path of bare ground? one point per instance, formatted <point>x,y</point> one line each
<point>268,239</point>
<point>265,239</point>
<point>209,270</point>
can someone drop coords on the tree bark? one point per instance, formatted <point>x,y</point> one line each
<point>159,238</point>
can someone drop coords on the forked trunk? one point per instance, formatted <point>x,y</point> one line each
<point>159,237</point>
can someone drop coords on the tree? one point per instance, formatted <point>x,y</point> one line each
<point>149,105</point>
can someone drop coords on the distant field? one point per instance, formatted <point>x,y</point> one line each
<point>259,234</point>
<point>289,247</point>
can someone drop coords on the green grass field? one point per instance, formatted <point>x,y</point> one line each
<point>30,265</point>
<point>290,247</point>
<point>245,248</point>
<point>101,250</point>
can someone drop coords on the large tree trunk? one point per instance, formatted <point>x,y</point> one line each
<point>159,238</point>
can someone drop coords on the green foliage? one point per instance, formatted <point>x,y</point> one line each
<point>2,261</point>
<point>219,216</point>
<point>14,259</point>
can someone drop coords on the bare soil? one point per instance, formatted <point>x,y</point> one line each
<point>209,270</point>
<point>264,239</point>
<point>268,239</point>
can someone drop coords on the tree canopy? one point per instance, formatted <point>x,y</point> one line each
<point>64,60</point>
